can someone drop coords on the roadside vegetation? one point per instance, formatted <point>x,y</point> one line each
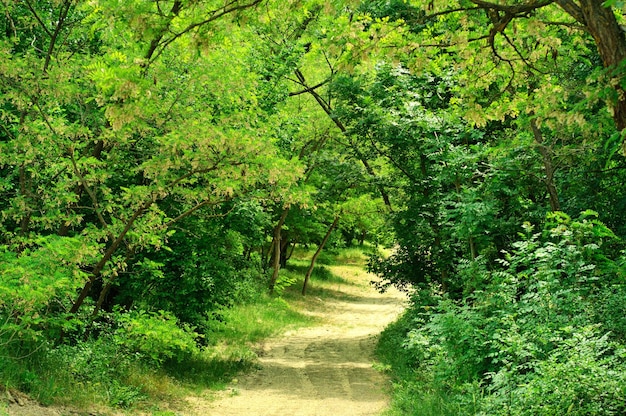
<point>151,360</point>
<point>157,362</point>
<point>543,334</point>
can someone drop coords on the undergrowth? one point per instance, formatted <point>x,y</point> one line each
<point>152,358</point>
<point>109,372</point>
<point>535,339</point>
<point>415,393</point>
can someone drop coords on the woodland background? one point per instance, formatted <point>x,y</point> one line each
<point>160,161</point>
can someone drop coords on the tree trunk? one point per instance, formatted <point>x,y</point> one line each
<point>472,246</point>
<point>611,44</point>
<point>276,243</point>
<point>609,38</point>
<point>317,253</point>
<point>284,249</point>
<point>97,270</point>
<point>109,284</point>
<point>546,154</point>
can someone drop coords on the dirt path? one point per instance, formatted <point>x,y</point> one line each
<point>324,370</point>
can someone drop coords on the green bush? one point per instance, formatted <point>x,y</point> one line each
<point>583,375</point>
<point>156,336</point>
<point>286,278</point>
<point>37,283</point>
<point>541,334</point>
<point>96,370</point>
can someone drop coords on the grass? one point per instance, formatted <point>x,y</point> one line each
<point>343,256</point>
<point>251,323</point>
<point>100,374</point>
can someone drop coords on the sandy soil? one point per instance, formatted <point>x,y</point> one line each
<point>317,371</point>
<point>323,370</point>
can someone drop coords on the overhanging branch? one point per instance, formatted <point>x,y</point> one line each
<point>309,89</point>
<point>228,8</point>
<point>510,9</point>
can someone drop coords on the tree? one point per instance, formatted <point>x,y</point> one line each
<point>121,121</point>
<point>522,38</point>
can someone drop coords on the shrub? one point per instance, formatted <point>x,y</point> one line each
<point>37,283</point>
<point>156,336</point>
<point>583,375</point>
<point>542,333</point>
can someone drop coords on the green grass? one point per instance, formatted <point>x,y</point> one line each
<point>246,324</point>
<point>340,256</point>
<point>321,273</point>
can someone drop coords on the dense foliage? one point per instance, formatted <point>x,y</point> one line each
<point>495,137</point>
<point>160,160</point>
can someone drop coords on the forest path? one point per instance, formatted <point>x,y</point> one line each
<point>322,370</point>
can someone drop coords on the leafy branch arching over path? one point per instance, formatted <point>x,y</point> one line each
<point>322,370</point>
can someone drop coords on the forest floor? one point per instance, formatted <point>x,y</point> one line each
<point>326,369</point>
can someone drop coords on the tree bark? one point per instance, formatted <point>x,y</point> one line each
<point>276,243</point>
<point>610,41</point>
<point>548,165</point>
<point>317,253</point>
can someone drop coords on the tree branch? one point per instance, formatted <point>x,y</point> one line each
<point>450,11</point>
<point>159,47</point>
<point>53,38</point>
<point>41,23</point>
<point>97,270</point>
<point>572,9</point>
<point>309,89</point>
<point>197,207</point>
<point>328,110</point>
<point>92,195</point>
<point>514,10</point>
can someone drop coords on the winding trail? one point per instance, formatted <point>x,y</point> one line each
<point>321,370</point>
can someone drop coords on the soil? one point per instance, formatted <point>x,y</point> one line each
<point>15,403</point>
<point>323,370</point>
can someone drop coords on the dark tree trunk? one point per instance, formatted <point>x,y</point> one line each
<point>548,165</point>
<point>277,248</point>
<point>609,38</point>
<point>97,270</point>
<point>611,44</point>
<point>317,253</point>
<point>284,250</point>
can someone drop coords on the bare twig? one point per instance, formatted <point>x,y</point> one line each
<point>309,89</point>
